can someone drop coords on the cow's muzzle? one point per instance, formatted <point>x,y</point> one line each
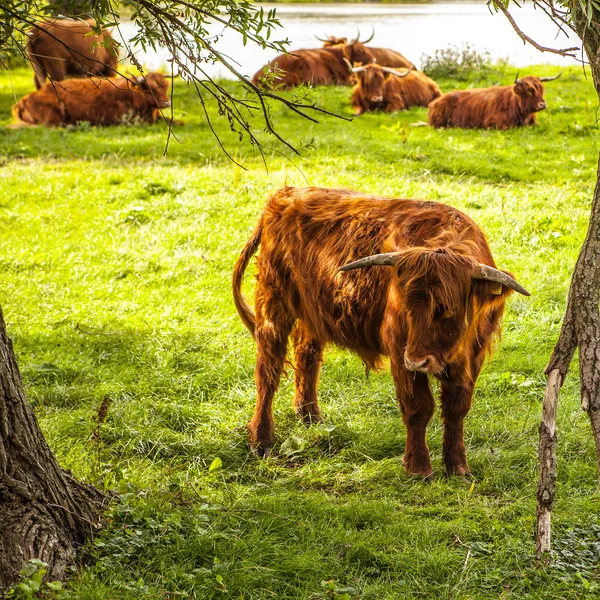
<point>426,364</point>
<point>541,105</point>
<point>164,104</point>
<point>376,99</point>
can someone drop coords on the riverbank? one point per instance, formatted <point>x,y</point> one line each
<point>116,269</point>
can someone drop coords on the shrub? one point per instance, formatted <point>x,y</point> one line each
<point>459,63</point>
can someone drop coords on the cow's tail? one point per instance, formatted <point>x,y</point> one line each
<point>244,309</point>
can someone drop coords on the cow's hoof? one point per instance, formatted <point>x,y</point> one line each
<point>459,471</point>
<point>262,451</point>
<point>310,419</point>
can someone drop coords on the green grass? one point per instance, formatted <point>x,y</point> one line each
<point>116,268</point>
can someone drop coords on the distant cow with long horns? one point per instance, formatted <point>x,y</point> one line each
<point>385,89</point>
<point>318,66</point>
<point>491,108</point>
<point>385,57</point>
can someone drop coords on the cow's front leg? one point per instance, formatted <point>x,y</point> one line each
<point>456,397</point>
<point>308,354</point>
<point>416,403</point>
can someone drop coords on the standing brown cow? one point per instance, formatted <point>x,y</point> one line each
<point>381,88</point>
<point>491,108</point>
<point>64,48</point>
<point>383,56</point>
<point>319,66</point>
<point>99,101</point>
<point>433,305</point>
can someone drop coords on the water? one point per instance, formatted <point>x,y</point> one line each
<point>413,29</point>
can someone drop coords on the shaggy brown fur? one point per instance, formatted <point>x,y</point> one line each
<point>379,90</point>
<point>64,48</point>
<point>426,312</point>
<point>96,100</point>
<point>320,66</point>
<point>490,108</point>
<point>383,56</point>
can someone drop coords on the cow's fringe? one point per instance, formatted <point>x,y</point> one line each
<point>244,309</point>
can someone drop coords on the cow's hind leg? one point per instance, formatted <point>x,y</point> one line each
<point>416,403</point>
<point>308,354</point>
<point>273,326</point>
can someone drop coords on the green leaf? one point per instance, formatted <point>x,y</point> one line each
<point>215,465</point>
<point>293,445</point>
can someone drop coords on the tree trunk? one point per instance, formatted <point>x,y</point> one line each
<point>580,328</point>
<point>44,512</point>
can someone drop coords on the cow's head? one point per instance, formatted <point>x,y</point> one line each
<point>371,79</point>
<point>436,290</point>
<point>333,41</point>
<point>155,87</point>
<point>355,51</point>
<point>531,92</point>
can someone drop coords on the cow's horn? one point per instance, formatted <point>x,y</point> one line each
<point>356,38</point>
<point>393,72</point>
<point>348,64</point>
<point>372,36</point>
<point>517,80</point>
<point>388,259</point>
<point>490,274</point>
<point>322,39</point>
<point>550,78</point>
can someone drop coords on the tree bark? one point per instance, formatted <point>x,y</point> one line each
<point>580,328</point>
<point>44,512</point>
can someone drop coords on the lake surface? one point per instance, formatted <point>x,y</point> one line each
<point>413,29</point>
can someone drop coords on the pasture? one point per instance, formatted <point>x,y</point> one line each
<point>116,266</point>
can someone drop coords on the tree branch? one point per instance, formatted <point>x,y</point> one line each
<point>526,39</point>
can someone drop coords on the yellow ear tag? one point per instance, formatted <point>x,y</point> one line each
<point>497,291</point>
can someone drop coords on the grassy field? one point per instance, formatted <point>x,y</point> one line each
<point>116,266</point>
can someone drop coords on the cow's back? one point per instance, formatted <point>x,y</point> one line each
<point>390,58</point>
<point>489,108</point>
<point>416,89</point>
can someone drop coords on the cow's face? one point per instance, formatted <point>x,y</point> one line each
<point>531,92</point>
<point>155,87</point>
<point>434,288</point>
<point>372,81</point>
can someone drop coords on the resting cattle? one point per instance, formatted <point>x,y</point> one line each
<point>383,56</point>
<point>320,66</point>
<point>382,88</point>
<point>64,48</point>
<point>96,100</point>
<point>491,108</point>
<point>408,279</point>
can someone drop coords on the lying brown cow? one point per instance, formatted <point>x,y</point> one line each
<point>491,108</point>
<point>64,48</point>
<point>408,279</point>
<point>96,100</point>
<point>383,56</point>
<point>320,66</point>
<point>382,88</point>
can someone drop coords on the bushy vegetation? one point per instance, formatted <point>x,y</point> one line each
<point>116,265</point>
<point>461,63</point>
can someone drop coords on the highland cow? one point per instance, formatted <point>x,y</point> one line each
<point>408,279</point>
<point>67,48</point>
<point>491,108</point>
<point>96,100</point>
<point>319,66</point>
<point>381,88</point>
